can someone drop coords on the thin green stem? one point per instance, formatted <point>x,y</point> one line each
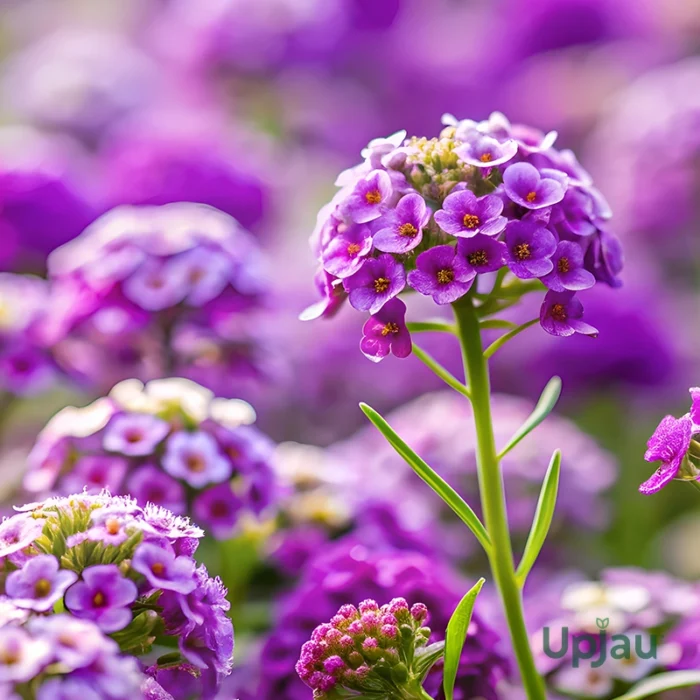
<point>492,495</point>
<point>492,349</point>
<point>440,371</point>
<point>429,326</point>
<point>490,323</point>
<point>696,484</point>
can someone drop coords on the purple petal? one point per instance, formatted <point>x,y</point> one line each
<point>662,476</point>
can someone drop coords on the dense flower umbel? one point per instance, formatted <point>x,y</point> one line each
<point>129,570</point>
<point>430,214</point>
<point>368,649</point>
<point>159,291</point>
<point>170,443</point>
<point>675,444</point>
<point>60,657</point>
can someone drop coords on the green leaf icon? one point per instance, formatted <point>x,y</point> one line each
<point>602,622</point>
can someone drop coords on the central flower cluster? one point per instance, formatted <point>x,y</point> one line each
<point>129,570</point>
<point>365,648</point>
<point>169,442</point>
<point>433,214</point>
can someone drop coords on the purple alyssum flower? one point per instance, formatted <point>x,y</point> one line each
<point>39,583</point>
<point>525,186</point>
<point>379,280</point>
<point>561,314</point>
<point>669,444</point>
<point>345,254</point>
<point>405,225</point>
<point>370,197</point>
<point>441,273</point>
<point>104,596</point>
<point>529,248</point>
<point>695,406</point>
<point>218,509</point>
<point>386,331</point>
<point>163,569</point>
<point>195,458</point>
<point>150,484</point>
<point>18,532</point>
<point>21,656</point>
<point>568,272</point>
<point>482,253</point>
<point>484,151</point>
<point>463,214</point>
<point>135,435</point>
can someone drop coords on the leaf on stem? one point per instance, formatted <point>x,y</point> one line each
<point>660,683</point>
<point>542,519</point>
<point>440,371</point>
<point>426,657</point>
<point>456,635</point>
<point>544,407</point>
<point>500,342</point>
<point>428,326</point>
<point>497,323</point>
<point>434,480</point>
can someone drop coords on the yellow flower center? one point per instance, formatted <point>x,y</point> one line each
<point>531,196</point>
<point>558,312</point>
<point>478,258</point>
<point>563,265</point>
<point>471,221</point>
<point>523,251</point>
<point>353,249</point>
<point>99,599</point>
<point>485,158</point>
<point>381,284</point>
<point>373,197</point>
<point>445,276</point>
<point>112,526</point>
<point>408,230</point>
<point>158,568</point>
<point>195,463</point>
<point>42,587</point>
<point>390,328</point>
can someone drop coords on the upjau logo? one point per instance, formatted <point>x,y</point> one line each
<point>596,647</point>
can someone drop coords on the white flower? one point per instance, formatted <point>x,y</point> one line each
<point>80,422</point>
<point>232,413</point>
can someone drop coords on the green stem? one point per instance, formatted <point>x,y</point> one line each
<point>493,496</point>
<point>440,371</point>
<point>696,484</point>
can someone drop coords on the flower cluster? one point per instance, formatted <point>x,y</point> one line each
<point>159,291</point>
<point>26,365</point>
<point>650,610</point>
<point>433,214</point>
<point>129,570</point>
<point>367,649</point>
<point>170,443</point>
<point>61,657</point>
<point>674,445</point>
<point>347,570</point>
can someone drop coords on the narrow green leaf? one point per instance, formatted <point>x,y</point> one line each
<point>542,519</point>
<point>429,326</point>
<point>425,659</point>
<point>544,407</point>
<point>440,371</point>
<point>497,323</point>
<point>456,635</point>
<point>434,480</point>
<point>660,683</point>
<point>492,349</point>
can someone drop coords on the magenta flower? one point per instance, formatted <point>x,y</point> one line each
<point>405,229</point>
<point>669,445</point>
<point>103,596</point>
<point>369,199</point>
<point>568,272</point>
<point>135,435</point>
<point>345,254</point>
<point>332,295</point>
<point>218,510</point>
<point>484,151</point>
<point>39,583</point>
<point>482,253</point>
<point>156,285</point>
<point>525,186</point>
<point>695,408</point>
<point>95,473</point>
<point>379,280</point>
<point>148,484</point>
<point>465,215</point>
<point>195,458</point>
<point>442,274</point>
<point>529,248</point>
<point>385,332</point>
<point>163,569</point>
<point>561,315</point>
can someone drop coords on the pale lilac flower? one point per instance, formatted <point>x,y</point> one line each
<point>385,332</point>
<point>379,280</point>
<point>39,583</point>
<point>104,596</point>
<point>21,657</point>
<point>345,254</point>
<point>465,215</point>
<point>370,197</point>
<point>568,272</point>
<point>561,314</point>
<point>483,151</point>
<point>156,285</point>
<point>332,294</point>
<point>442,273</point>
<point>669,445</point>
<point>405,225</point>
<point>135,434</point>
<point>529,248</point>
<point>19,532</point>
<point>163,569</point>
<point>525,186</point>
<point>195,458</point>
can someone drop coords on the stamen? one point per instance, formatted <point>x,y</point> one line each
<point>531,196</point>
<point>373,197</point>
<point>558,312</point>
<point>445,276</point>
<point>522,251</point>
<point>42,587</point>
<point>112,526</point>
<point>563,265</point>
<point>485,157</point>
<point>99,599</point>
<point>158,568</point>
<point>353,249</point>
<point>390,328</point>
<point>471,221</point>
<point>195,463</point>
<point>478,258</point>
<point>381,284</point>
<point>408,230</point>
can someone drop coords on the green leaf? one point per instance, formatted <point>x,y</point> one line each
<point>440,371</point>
<point>455,636</point>
<point>497,323</point>
<point>500,342</point>
<point>431,326</point>
<point>660,683</point>
<point>542,519</point>
<point>544,407</point>
<point>434,480</point>
<point>426,657</point>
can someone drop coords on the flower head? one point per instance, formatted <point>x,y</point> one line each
<point>503,191</point>
<point>561,314</point>
<point>39,583</point>
<point>386,332</point>
<point>669,444</point>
